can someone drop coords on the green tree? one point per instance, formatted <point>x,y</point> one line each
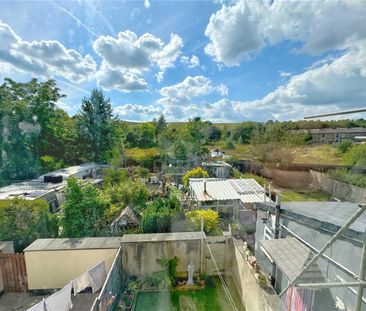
<point>24,221</point>
<point>160,125</point>
<point>197,172</point>
<point>96,127</point>
<point>83,211</point>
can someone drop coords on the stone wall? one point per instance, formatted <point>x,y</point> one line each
<point>253,296</point>
<point>338,189</point>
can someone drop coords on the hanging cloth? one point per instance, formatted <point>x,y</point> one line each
<point>60,301</point>
<point>82,282</point>
<point>38,307</point>
<point>97,276</point>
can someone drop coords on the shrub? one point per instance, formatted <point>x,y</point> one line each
<point>210,219</point>
<point>356,156</point>
<point>344,146</point>
<point>346,176</point>
<point>197,172</point>
<point>24,221</point>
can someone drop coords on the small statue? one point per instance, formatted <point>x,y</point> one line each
<point>191,268</point>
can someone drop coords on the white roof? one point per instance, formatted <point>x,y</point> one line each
<point>245,190</point>
<point>35,188</point>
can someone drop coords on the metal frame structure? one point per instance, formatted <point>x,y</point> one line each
<point>360,282</point>
<point>336,113</point>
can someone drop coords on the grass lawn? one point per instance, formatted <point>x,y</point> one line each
<point>316,154</point>
<point>304,196</point>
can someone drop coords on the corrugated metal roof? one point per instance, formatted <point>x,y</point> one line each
<point>290,255</point>
<point>74,244</point>
<point>216,189</point>
<point>246,190</point>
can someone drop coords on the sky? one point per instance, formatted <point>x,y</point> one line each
<point>225,61</point>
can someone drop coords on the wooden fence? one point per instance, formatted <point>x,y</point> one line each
<point>13,272</point>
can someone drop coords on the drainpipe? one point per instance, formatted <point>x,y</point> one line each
<point>204,187</point>
<point>276,236</point>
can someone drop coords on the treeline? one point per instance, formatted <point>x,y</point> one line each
<point>37,136</point>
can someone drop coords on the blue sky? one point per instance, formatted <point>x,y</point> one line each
<point>224,61</point>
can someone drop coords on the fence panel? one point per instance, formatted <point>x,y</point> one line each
<point>112,287</point>
<point>13,272</point>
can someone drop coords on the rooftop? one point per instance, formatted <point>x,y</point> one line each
<point>37,188</point>
<point>245,190</point>
<point>216,164</point>
<point>74,244</point>
<point>291,256</point>
<point>339,130</point>
<point>328,215</point>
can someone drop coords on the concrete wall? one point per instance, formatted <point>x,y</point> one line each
<point>253,297</point>
<point>288,178</point>
<point>139,257</point>
<point>338,189</point>
<point>54,269</point>
<point>7,247</point>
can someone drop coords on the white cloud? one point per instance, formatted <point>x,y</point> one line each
<point>189,88</point>
<point>129,52</point>
<point>147,4</point>
<point>192,62</point>
<point>134,112</point>
<point>123,81</point>
<point>284,74</point>
<point>44,58</point>
<point>132,55</point>
<point>239,29</point>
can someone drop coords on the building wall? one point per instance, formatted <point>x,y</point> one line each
<point>345,251</point>
<point>54,269</point>
<point>140,258</point>
<point>253,297</point>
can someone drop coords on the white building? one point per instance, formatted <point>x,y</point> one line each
<point>50,186</point>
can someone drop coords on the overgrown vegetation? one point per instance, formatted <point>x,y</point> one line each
<point>349,177</point>
<point>210,220</point>
<point>197,172</point>
<point>24,221</point>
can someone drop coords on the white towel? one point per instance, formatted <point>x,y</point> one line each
<point>38,307</point>
<point>82,282</point>
<point>97,276</point>
<point>60,301</point>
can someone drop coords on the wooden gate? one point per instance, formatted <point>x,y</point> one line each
<point>13,272</point>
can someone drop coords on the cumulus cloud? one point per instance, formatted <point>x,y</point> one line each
<point>130,56</point>
<point>123,81</point>
<point>131,53</point>
<point>147,4</point>
<point>44,58</point>
<point>239,29</point>
<point>192,62</point>
<point>134,112</point>
<point>190,87</point>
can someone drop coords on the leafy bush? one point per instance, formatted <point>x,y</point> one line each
<point>349,177</point>
<point>24,221</point>
<point>197,172</point>
<point>344,146</point>
<point>229,145</point>
<point>356,156</point>
<point>210,219</point>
